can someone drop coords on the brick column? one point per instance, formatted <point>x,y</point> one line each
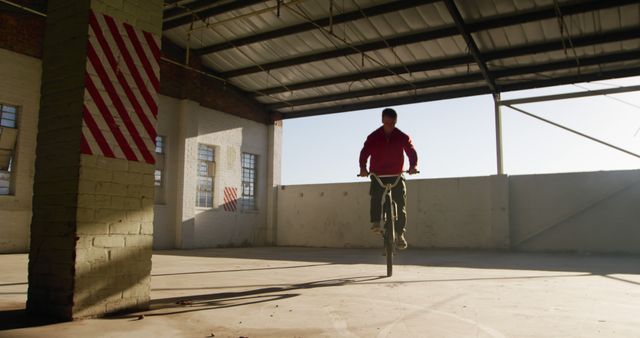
<point>91,232</point>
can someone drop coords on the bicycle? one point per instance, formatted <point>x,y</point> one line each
<point>389,217</point>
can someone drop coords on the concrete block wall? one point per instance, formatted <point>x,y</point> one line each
<point>20,86</point>
<point>52,254</point>
<point>93,216</point>
<point>114,222</point>
<point>114,234</point>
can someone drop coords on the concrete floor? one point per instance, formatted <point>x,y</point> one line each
<point>298,292</point>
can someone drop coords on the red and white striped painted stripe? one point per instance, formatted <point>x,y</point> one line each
<point>121,90</point>
<point>230,199</point>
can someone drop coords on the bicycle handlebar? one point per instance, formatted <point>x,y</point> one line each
<point>403,172</point>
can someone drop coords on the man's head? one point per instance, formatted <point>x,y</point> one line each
<point>389,118</point>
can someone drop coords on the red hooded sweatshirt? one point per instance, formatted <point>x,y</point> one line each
<point>386,152</point>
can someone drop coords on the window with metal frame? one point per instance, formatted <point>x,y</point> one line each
<point>8,139</point>
<point>159,169</point>
<point>206,173</point>
<point>160,142</point>
<point>157,180</point>
<point>248,199</point>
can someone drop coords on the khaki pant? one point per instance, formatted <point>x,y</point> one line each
<point>399,194</point>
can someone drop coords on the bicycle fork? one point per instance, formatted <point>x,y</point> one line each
<point>393,210</point>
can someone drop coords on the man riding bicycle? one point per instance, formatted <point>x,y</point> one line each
<point>386,146</point>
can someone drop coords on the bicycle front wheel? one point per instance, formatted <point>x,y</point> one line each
<point>388,249</point>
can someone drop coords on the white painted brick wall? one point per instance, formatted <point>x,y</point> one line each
<point>108,190</point>
<point>230,136</point>
<point>20,86</point>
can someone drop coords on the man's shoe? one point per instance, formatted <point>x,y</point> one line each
<point>401,242</point>
<point>376,228</point>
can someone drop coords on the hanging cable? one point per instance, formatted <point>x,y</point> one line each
<point>388,46</point>
<point>327,35</point>
<point>563,27</point>
<point>252,61</point>
<point>24,8</point>
<point>348,44</point>
<point>242,16</point>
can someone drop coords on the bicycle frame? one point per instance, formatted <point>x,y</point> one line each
<point>390,231</point>
<point>393,212</point>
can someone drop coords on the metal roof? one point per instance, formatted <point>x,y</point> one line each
<point>311,57</point>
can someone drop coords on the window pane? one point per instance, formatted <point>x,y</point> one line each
<point>8,116</point>
<point>5,181</point>
<point>8,123</point>
<point>248,201</point>
<point>203,168</point>
<point>205,153</point>
<point>158,178</point>
<point>204,190</point>
<point>9,109</point>
<point>160,144</point>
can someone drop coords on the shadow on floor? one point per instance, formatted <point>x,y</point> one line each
<point>239,270</point>
<point>600,264</point>
<point>18,319</point>
<point>184,304</point>
<point>375,281</point>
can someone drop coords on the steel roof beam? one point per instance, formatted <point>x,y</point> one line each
<point>461,79</point>
<point>471,91</point>
<point>307,26</point>
<point>346,51</point>
<point>471,44</point>
<point>180,10</point>
<point>572,95</point>
<point>634,71</point>
<point>485,24</point>
<point>460,60</point>
<point>207,13</point>
<point>381,90</point>
<point>372,74</point>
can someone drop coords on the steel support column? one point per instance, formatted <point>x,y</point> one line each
<point>498,119</point>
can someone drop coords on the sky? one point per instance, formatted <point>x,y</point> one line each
<point>456,138</point>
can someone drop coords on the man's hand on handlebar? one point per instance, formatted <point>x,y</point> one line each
<point>413,171</point>
<point>363,173</point>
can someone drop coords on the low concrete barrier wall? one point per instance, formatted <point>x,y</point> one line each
<point>589,211</point>
<point>442,213</point>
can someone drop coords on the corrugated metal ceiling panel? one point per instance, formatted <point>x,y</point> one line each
<point>541,23</point>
